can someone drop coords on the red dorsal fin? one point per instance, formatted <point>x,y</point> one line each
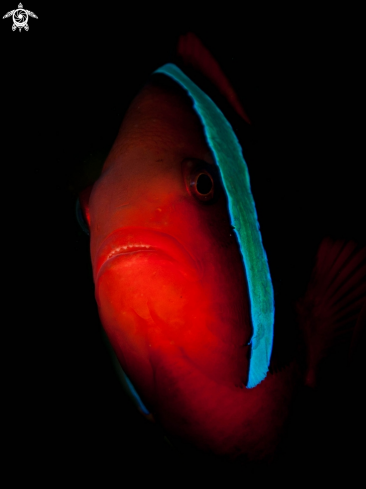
<point>331,308</point>
<point>196,55</point>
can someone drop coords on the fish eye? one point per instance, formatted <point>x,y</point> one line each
<point>204,184</point>
<point>200,180</point>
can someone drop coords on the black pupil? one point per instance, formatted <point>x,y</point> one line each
<point>204,184</point>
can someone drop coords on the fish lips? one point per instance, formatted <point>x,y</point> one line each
<point>132,240</point>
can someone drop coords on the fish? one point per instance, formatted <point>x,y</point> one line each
<point>182,279</point>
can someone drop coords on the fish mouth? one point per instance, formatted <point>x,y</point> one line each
<point>133,240</point>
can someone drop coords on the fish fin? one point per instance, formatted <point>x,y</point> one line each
<point>125,381</point>
<point>195,55</point>
<point>330,314</point>
<point>84,197</point>
<point>88,170</point>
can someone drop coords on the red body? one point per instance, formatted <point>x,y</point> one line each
<point>170,283</point>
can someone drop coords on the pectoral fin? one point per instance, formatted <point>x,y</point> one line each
<point>332,312</point>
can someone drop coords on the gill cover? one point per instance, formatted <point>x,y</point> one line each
<point>234,173</point>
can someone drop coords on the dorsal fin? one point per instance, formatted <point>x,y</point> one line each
<point>196,55</point>
<point>331,308</point>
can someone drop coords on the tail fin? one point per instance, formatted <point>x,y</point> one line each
<point>330,314</point>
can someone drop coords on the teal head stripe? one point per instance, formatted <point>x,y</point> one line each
<point>234,173</point>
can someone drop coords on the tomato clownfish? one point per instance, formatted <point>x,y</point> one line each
<point>182,280</point>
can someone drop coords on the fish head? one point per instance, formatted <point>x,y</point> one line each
<point>170,282</point>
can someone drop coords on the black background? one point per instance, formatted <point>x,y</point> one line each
<point>65,86</point>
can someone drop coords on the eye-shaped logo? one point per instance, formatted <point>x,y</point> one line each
<point>20,17</point>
